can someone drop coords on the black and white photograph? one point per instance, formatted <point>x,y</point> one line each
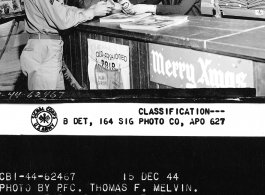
<point>132,97</point>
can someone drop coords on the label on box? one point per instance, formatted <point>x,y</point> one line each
<point>259,12</point>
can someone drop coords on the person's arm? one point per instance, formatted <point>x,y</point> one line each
<point>64,17</point>
<point>147,6</point>
<point>151,2</point>
<point>182,8</point>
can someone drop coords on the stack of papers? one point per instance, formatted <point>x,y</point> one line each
<point>121,17</point>
<point>155,22</point>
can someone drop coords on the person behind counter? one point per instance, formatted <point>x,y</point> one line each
<point>185,7</point>
<point>91,3</point>
<point>41,59</point>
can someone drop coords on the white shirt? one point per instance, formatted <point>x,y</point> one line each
<point>49,16</point>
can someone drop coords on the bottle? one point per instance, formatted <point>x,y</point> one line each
<point>125,4</point>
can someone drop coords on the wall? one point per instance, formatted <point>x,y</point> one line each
<point>10,70</point>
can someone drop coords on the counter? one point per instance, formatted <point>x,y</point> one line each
<point>240,39</point>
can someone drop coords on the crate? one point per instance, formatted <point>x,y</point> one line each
<point>211,7</point>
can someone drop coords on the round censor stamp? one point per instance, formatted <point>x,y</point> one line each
<point>44,120</point>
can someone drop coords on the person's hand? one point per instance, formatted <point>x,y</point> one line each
<point>102,8</point>
<point>117,8</point>
<point>140,9</point>
<point>92,6</point>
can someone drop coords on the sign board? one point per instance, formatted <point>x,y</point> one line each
<point>108,65</point>
<point>186,68</point>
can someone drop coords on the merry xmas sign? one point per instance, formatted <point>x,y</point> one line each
<point>185,68</point>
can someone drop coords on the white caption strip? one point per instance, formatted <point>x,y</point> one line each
<point>135,119</point>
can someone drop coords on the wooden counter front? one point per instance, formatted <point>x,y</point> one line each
<point>228,37</point>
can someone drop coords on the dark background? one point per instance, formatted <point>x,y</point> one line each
<point>224,165</point>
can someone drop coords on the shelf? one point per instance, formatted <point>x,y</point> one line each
<point>13,15</point>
